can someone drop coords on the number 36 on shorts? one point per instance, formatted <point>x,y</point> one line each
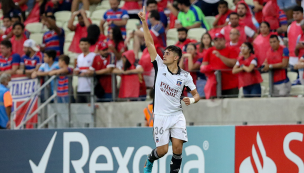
<point>158,131</point>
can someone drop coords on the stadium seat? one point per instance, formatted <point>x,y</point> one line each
<point>59,23</point>
<point>292,76</point>
<point>171,42</point>
<point>172,35</point>
<point>34,27</point>
<point>98,14</point>
<point>230,3</point>
<point>196,33</point>
<point>96,22</point>
<point>66,48</point>
<point>297,90</point>
<point>249,2</point>
<point>103,5</point>
<point>37,37</point>
<point>69,37</point>
<point>63,16</point>
<point>122,3</point>
<point>210,20</point>
<point>131,24</point>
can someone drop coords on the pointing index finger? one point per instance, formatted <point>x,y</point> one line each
<point>144,10</point>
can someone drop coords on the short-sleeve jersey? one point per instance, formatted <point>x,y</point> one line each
<point>169,88</point>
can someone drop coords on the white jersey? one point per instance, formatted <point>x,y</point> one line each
<point>84,63</point>
<point>169,88</point>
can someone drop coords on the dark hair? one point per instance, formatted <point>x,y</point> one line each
<point>202,46</point>
<point>266,23</point>
<point>51,17</point>
<point>16,16</point>
<point>65,58</point>
<point>298,8</point>
<point>151,2</point>
<point>18,23</point>
<point>6,43</point>
<point>155,15</point>
<point>42,7</point>
<point>127,65</point>
<point>51,54</point>
<point>182,29</point>
<point>176,50</point>
<point>223,3</point>
<point>249,45</point>
<point>83,39</point>
<point>233,13</point>
<point>274,36</point>
<point>7,16</point>
<point>184,2</point>
<point>93,33</point>
<point>7,6</point>
<point>117,36</point>
<point>191,44</point>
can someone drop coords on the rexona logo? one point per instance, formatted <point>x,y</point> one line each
<point>123,160</point>
<point>269,149</point>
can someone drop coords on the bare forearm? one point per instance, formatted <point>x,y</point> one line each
<point>40,73</point>
<point>297,51</point>
<point>172,9</point>
<point>70,24</point>
<point>227,61</point>
<point>120,22</point>
<point>237,69</point>
<point>196,97</point>
<point>248,69</point>
<point>21,2</point>
<point>196,25</point>
<point>8,111</point>
<point>216,21</point>
<point>105,71</point>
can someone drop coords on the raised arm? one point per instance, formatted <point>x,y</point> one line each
<point>147,35</point>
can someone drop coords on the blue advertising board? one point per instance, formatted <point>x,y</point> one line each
<point>123,150</point>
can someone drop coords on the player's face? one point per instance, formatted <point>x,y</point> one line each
<point>264,28</point>
<point>241,10</point>
<point>18,31</point>
<point>169,57</point>
<point>219,43</point>
<point>5,51</point>
<point>274,43</point>
<point>6,22</point>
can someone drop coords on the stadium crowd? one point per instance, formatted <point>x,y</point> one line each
<point>241,40</point>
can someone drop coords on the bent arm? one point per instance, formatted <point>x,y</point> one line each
<point>149,41</point>
<point>249,68</point>
<point>195,95</point>
<point>237,69</point>
<point>227,61</point>
<point>283,64</point>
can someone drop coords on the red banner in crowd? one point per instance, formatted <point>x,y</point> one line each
<point>269,149</point>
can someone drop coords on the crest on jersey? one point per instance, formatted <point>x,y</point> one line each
<point>179,82</point>
<point>157,140</point>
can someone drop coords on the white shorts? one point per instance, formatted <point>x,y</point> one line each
<point>166,127</point>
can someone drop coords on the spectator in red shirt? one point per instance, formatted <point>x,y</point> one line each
<point>205,44</point>
<point>182,38</point>
<point>234,39</point>
<point>244,30</point>
<point>94,36</point>
<point>220,19</point>
<point>258,7</point>
<point>249,77</point>
<point>18,39</point>
<point>104,65</point>
<point>245,16</point>
<point>130,84</point>
<point>184,61</point>
<point>7,27</point>
<point>80,29</point>
<point>221,58</point>
<point>116,42</point>
<point>277,60</point>
<point>9,61</point>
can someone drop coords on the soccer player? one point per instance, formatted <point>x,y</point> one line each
<point>169,121</point>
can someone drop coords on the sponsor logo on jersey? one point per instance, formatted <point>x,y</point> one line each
<point>167,89</point>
